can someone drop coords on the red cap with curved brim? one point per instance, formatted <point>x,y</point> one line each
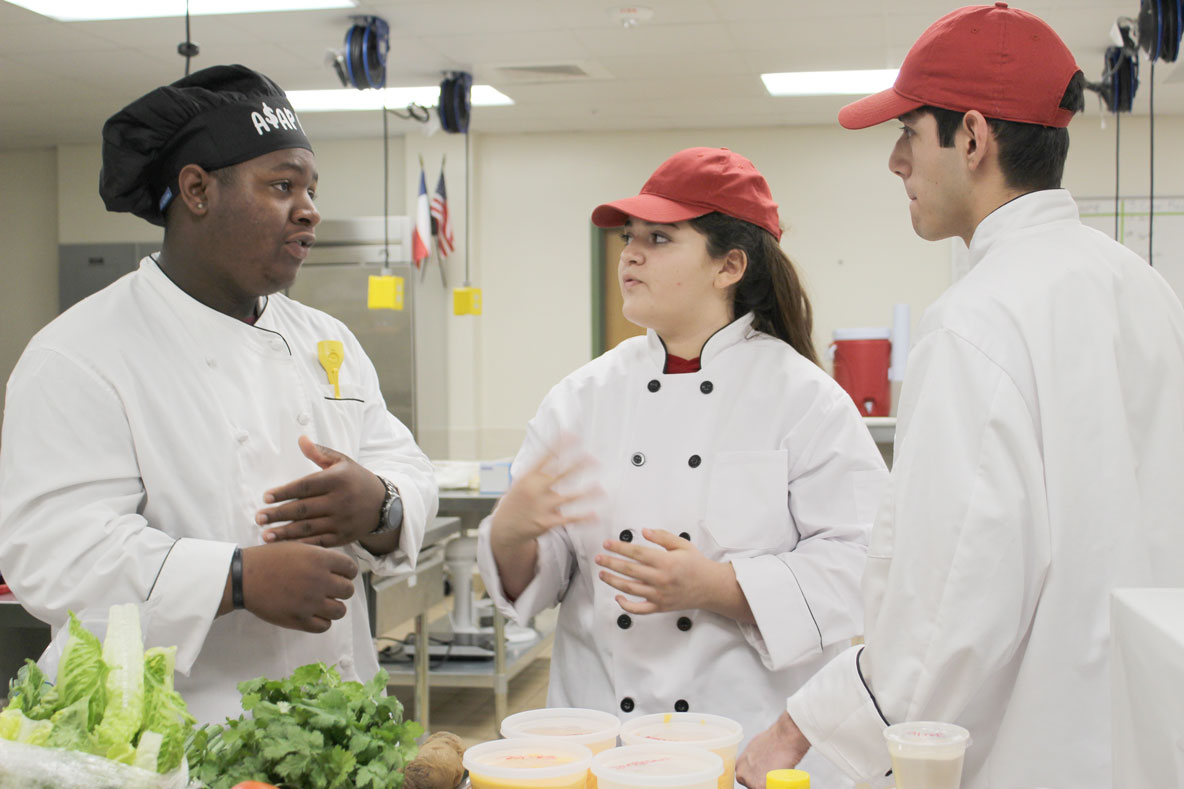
<point>693,183</point>
<point>1006,63</point>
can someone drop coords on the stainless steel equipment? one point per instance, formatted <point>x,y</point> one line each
<point>406,346</point>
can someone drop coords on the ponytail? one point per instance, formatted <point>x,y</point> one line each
<point>770,287</point>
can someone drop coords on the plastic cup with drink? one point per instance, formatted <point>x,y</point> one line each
<point>927,754</point>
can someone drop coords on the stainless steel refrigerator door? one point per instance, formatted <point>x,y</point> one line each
<point>387,336</point>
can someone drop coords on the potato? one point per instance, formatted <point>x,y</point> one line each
<point>438,765</point>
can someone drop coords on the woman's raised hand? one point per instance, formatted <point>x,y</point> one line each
<point>534,504</point>
<point>537,502</point>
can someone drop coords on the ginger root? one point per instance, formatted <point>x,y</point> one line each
<point>438,765</point>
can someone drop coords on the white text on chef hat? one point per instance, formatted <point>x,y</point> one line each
<point>279,118</point>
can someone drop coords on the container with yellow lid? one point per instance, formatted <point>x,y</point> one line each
<point>787,779</point>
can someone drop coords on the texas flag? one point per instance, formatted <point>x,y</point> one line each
<point>421,236</point>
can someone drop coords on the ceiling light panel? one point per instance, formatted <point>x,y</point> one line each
<point>348,99</point>
<point>88,10</point>
<point>829,83</point>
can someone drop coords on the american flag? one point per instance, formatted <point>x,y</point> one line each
<point>444,238</point>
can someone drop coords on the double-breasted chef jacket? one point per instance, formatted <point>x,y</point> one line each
<point>141,430</point>
<point>759,459</point>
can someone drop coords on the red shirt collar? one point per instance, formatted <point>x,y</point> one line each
<point>676,365</point>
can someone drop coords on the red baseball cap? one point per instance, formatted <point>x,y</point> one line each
<point>1006,63</point>
<point>696,182</point>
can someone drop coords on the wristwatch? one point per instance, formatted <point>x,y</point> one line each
<point>390,517</point>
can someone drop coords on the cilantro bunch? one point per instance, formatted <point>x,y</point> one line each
<point>311,731</point>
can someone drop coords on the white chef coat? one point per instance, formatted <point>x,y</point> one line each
<point>759,459</point>
<point>1039,453</point>
<point>141,430</point>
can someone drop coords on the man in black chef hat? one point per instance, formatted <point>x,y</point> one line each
<point>189,439</point>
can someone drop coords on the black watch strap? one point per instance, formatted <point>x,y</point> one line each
<point>236,579</point>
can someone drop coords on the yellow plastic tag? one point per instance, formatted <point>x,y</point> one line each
<point>466,301</point>
<point>331,354</point>
<point>385,292</point>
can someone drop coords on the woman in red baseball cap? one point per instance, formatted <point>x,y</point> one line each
<point>699,498</point>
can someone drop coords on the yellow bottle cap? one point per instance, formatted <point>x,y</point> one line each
<point>787,779</point>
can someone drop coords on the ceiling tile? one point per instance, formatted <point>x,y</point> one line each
<point>657,39</point>
<point>545,46</point>
<point>51,37</point>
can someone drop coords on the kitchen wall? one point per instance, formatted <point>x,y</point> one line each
<point>28,250</point>
<point>845,215</point>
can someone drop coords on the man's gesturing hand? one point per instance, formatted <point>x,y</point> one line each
<point>334,506</point>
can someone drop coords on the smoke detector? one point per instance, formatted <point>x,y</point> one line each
<point>630,15</point>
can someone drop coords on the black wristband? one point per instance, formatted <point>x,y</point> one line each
<point>236,579</point>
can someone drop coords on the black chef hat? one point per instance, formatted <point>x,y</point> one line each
<point>213,118</point>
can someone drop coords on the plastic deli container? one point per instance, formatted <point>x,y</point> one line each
<point>594,729</point>
<point>528,763</point>
<point>716,733</point>
<point>667,765</point>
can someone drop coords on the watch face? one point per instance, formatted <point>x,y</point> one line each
<point>391,514</point>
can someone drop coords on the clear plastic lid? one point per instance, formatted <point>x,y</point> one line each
<point>658,764</point>
<point>532,757</point>
<point>571,723</point>
<point>927,737</point>
<point>706,731</point>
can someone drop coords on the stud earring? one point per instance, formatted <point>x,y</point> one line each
<point>201,205</point>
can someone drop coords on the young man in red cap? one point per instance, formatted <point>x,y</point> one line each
<point>1039,444</point>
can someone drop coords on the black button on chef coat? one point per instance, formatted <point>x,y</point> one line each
<point>681,705</point>
<point>624,621</point>
<point>626,704</point>
<point>694,461</point>
<point>685,623</point>
<point>685,535</point>
<point>625,536</point>
<point>654,385</point>
<point>706,387</point>
<point>638,459</point>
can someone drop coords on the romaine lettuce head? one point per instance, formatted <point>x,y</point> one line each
<point>123,652</point>
<point>18,727</point>
<point>31,692</point>
<point>165,713</point>
<point>82,674</point>
<point>71,730</point>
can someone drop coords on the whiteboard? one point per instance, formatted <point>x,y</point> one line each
<point>1135,222</point>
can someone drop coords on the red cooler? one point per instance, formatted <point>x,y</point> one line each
<point>861,358</point>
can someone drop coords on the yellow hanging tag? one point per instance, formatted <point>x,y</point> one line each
<point>385,292</point>
<point>466,301</point>
<point>331,354</point>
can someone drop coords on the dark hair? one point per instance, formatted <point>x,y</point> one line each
<point>770,287</point>
<point>1031,157</point>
